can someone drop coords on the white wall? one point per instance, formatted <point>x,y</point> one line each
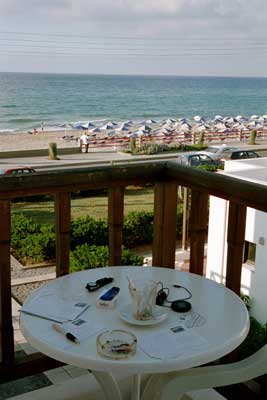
<point>253,281</point>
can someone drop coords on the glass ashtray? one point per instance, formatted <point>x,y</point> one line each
<point>116,344</point>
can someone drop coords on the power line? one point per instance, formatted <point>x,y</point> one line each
<point>125,55</point>
<point>129,48</point>
<point>134,37</point>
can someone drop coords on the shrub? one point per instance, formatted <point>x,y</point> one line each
<point>133,145</point>
<point>209,168</point>
<point>154,148</point>
<point>88,230</point>
<point>36,248</point>
<point>137,228</point>
<point>252,137</point>
<point>254,341</point>
<point>52,151</point>
<point>21,227</point>
<point>192,147</point>
<point>201,138</point>
<point>34,243</point>
<point>85,257</point>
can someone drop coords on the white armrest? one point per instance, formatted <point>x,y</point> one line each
<point>175,383</point>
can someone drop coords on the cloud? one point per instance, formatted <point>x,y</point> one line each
<point>114,9</point>
<point>144,17</point>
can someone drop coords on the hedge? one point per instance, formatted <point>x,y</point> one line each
<point>33,243</point>
<point>86,256</point>
<point>88,230</point>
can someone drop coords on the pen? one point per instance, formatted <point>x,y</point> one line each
<point>68,335</point>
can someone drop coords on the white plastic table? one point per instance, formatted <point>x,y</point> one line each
<point>226,326</point>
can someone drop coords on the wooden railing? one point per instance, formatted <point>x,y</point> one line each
<point>166,177</point>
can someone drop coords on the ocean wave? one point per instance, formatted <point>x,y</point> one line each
<point>22,120</point>
<point>7,131</point>
<point>9,106</point>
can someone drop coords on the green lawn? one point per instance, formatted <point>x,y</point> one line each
<point>136,199</point>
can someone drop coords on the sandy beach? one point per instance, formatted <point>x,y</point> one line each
<point>41,140</point>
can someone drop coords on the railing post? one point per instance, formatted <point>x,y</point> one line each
<point>165,217</point>
<point>115,223</point>
<point>235,239</point>
<point>6,327</point>
<point>185,219</point>
<point>62,215</point>
<point>198,230</point>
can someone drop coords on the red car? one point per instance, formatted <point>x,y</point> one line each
<point>17,171</point>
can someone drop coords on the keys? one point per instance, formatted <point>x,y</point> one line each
<point>92,286</point>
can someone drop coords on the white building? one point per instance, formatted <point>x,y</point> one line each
<point>254,272</point>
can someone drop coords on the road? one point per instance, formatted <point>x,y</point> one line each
<point>99,158</point>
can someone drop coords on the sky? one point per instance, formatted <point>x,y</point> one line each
<point>147,37</point>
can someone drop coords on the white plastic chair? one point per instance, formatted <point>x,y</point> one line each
<point>173,384</point>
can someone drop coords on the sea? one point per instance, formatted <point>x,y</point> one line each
<point>27,99</point>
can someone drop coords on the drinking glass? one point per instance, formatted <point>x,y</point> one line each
<point>143,294</point>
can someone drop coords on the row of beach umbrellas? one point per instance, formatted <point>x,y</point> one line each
<point>166,126</point>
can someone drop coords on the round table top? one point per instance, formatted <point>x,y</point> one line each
<point>226,319</point>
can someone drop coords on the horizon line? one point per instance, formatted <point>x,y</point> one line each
<point>135,75</point>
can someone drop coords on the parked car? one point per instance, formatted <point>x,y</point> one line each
<point>195,159</point>
<point>17,171</point>
<point>240,154</point>
<point>218,152</point>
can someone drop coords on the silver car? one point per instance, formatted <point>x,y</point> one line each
<point>196,159</point>
<point>218,152</point>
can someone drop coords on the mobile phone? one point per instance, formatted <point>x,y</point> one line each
<point>110,294</point>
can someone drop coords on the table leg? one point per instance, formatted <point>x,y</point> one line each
<point>154,385</point>
<point>136,386</point>
<point>108,384</point>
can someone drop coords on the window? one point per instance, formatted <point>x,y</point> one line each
<point>249,253</point>
<point>252,154</point>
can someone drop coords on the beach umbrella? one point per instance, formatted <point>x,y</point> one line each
<point>87,125</point>
<point>254,117</point>
<point>186,127</point>
<point>141,132</point>
<point>167,126</point>
<point>107,126</point>
<point>164,130</point>
<point>262,119</point>
<point>150,121</point>
<point>229,120</point>
<point>124,127</point>
<point>77,125</point>
<point>170,121</point>
<point>66,125</point>
<point>182,120</point>
<point>145,128</point>
<point>241,127</point>
<point>220,127</point>
<point>200,128</point>
<point>252,124</point>
<point>134,134</point>
<point>218,118</point>
<point>240,118</point>
<point>112,133</point>
<point>197,118</point>
<point>127,124</point>
<point>95,130</point>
